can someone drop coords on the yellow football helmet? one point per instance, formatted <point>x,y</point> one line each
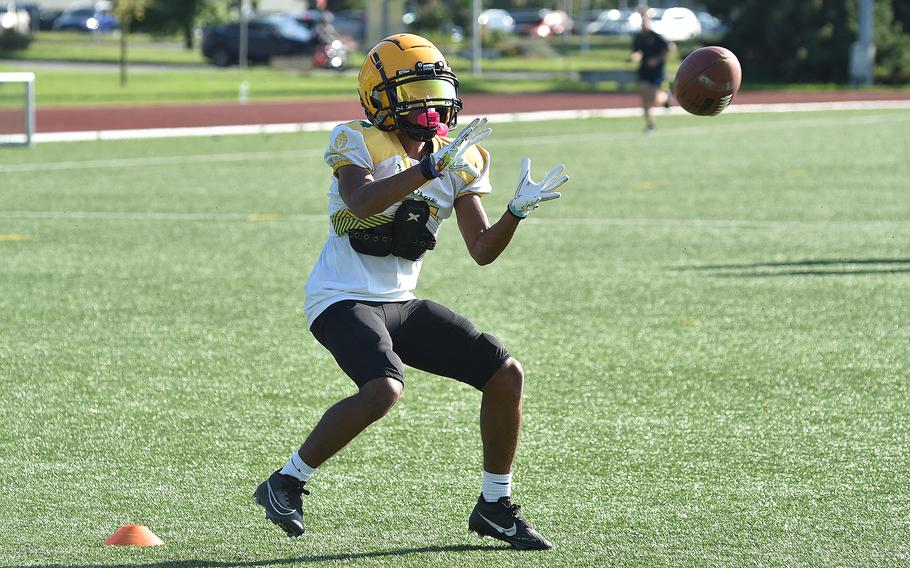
<point>406,73</point>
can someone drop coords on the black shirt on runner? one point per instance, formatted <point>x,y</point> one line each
<point>650,44</point>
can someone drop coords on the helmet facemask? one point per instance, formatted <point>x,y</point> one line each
<point>423,102</point>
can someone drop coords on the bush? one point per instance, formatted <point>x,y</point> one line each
<point>892,42</point>
<point>514,46</point>
<point>11,40</point>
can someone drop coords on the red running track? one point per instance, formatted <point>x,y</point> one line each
<point>123,117</point>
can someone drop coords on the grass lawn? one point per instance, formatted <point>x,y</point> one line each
<point>712,320</point>
<point>105,48</point>
<point>60,87</point>
<point>81,85</point>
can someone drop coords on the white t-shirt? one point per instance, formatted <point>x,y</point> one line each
<point>341,273</point>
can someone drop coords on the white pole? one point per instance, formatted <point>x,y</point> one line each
<point>585,8</point>
<point>245,10</point>
<point>862,56</point>
<point>475,38</point>
<point>30,112</point>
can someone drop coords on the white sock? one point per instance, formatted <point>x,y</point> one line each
<point>296,467</point>
<point>496,485</point>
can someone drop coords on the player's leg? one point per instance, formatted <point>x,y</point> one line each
<point>494,513</point>
<point>349,417</point>
<point>648,94</point>
<point>662,97</point>
<point>500,417</point>
<point>435,339</point>
<point>356,335</point>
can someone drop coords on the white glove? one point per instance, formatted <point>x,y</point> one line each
<point>530,194</point>
<point>451,156</point>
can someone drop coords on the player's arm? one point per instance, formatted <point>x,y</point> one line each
<point>486,242</point>
<point>637,53</point>
<point>366,196</point>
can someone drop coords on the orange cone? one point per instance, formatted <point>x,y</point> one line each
<point>134,535</point>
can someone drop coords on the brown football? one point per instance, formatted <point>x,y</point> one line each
<point>707,80</point>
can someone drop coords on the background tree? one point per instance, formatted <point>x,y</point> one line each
<point>169,17</point>
<point>127,11</point>
<point>800,41</point>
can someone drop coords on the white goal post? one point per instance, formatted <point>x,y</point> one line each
<point>27,108</point>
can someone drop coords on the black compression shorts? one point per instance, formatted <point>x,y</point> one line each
<point>370,340</point>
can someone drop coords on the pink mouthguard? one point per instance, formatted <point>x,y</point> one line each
<point>430,119</point>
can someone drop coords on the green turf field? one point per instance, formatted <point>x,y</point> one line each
<point>713,321</point>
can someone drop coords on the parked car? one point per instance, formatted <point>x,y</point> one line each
<point>711,26</point>
<point>615,22</point>
<point>540,22</point>
<point>88,17</point>
<point>496,20</point>
<point>351,23</point>
<point>46,19</point>
<point>322,23</point>
<point>272,36</point>
<point>675,24</point>
<point>15,27</point>
<point>30,8</point>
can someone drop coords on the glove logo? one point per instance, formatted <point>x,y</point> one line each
<point>530,194</point>
<point>444,161</point>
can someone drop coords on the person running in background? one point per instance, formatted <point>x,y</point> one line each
<point>650,51</point>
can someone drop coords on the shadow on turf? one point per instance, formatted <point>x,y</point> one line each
<point>811,267</point>
<point>283,561</point>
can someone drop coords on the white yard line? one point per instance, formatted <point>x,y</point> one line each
<point>321,218</point>
<point>120,163</point>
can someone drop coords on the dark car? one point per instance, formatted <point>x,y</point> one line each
<point>46,19</point>
<point>271,37</point>
<point>97,17</point>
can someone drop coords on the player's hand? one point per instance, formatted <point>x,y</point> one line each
<point>451,156</point>
<point>530,194</point>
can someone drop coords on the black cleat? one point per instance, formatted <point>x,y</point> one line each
<point>279,495</point>
<point>501,520</point>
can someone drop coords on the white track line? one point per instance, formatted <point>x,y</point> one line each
<point>499,117</point>
<point>321,218</point>
<point>157,216</point>
<point>193,159</point>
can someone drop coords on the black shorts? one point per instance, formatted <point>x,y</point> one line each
<point>652,75</point>
<point>370,340</point>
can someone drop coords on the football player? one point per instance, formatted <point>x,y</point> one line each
<point>397,177</point>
